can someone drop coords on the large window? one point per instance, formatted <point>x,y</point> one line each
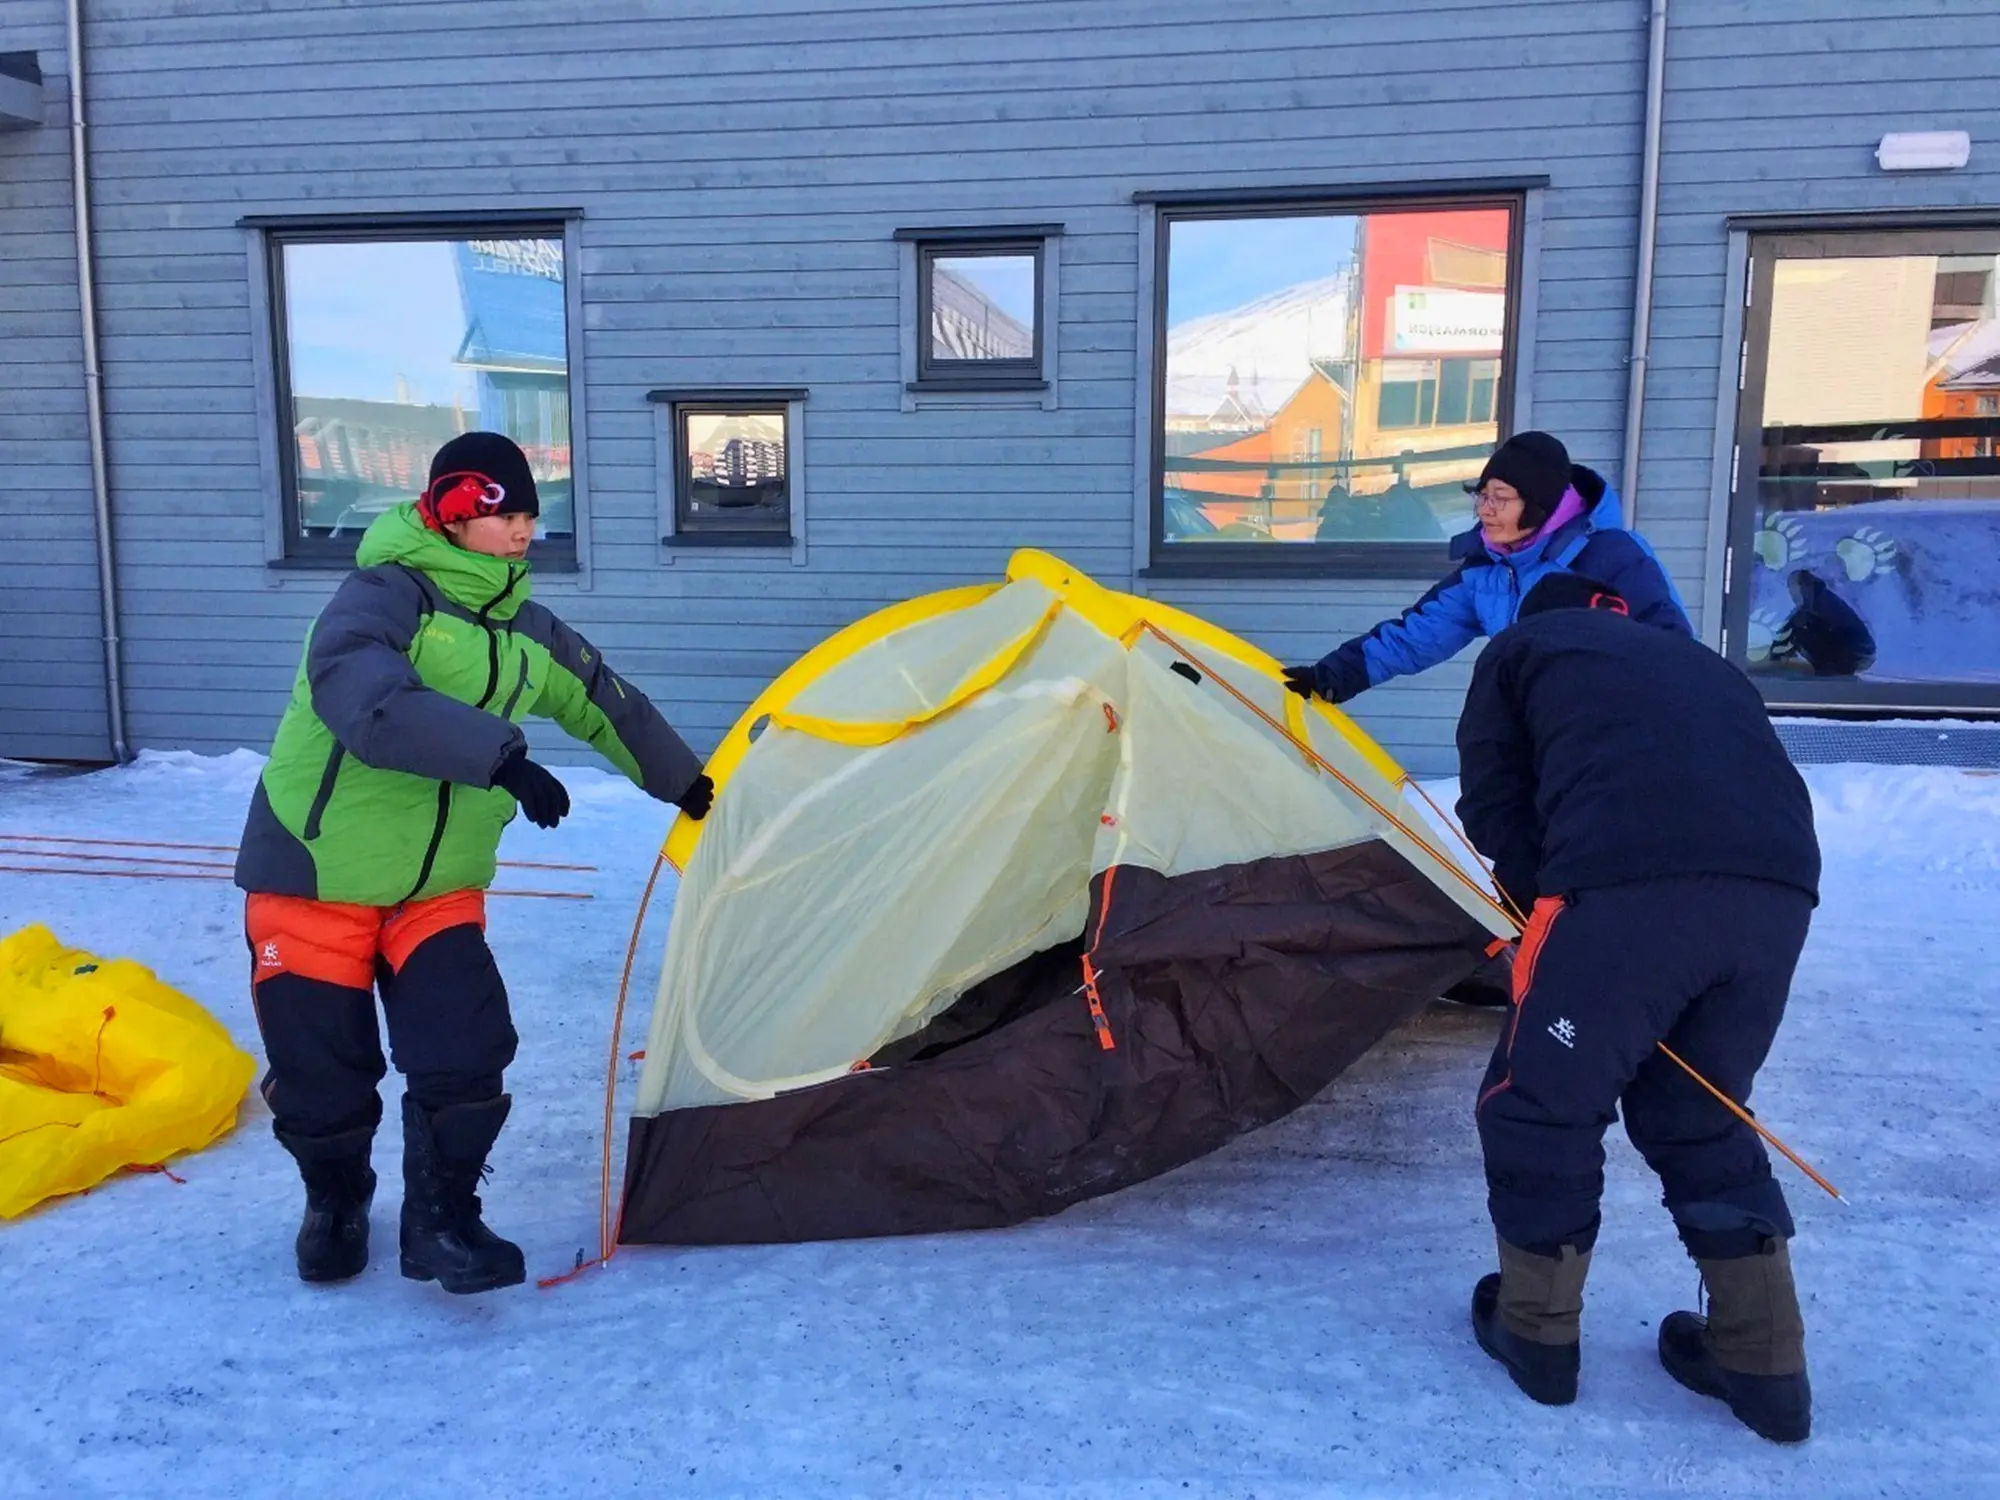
<point>1865,551</point>
<point>390,343</point>
<point>1329,377</point>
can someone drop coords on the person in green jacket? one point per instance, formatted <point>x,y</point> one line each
<point>373,834</point>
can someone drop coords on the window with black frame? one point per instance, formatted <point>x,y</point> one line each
<point>1329,375</point>
<point>979,305</point>
<point>390,342</point>
<point>1865,519</point>
<point>732,472</point>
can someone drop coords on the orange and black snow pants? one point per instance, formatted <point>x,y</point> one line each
<point>315,970</point>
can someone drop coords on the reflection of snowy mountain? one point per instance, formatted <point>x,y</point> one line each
<point>1265,349</point>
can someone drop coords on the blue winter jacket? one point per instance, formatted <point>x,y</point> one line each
<point>1481,596</point>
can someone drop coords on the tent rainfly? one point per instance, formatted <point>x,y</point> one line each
<point>1015,895</point>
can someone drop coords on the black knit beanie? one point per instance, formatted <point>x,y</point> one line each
<point>478,474</point>
<point>1538,466</point>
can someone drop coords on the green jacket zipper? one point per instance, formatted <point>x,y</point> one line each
<point>520,686</point>
<point>492,685</point>
<point>325,793</point>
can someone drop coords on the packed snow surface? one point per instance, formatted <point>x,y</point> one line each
<point>1284,1318</point>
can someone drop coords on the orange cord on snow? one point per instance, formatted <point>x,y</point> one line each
<point>606,1246</point>
<point>49,838</point>
<point>202,875</point>
<point>1325,765</point>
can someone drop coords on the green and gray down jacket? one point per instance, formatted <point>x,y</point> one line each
<point>414,680</point>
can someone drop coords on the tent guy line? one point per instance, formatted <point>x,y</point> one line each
<point>60,840</point>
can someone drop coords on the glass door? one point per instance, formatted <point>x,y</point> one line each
<point>1864,560</point>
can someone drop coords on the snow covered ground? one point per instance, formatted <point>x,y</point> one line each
<point>1285,1318</point>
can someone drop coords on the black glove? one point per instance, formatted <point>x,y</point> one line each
<point>543,798</point>
<point>1302,680</point>
<point>697,799</point>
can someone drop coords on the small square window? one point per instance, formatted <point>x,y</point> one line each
<point>980,308</point>
<point>732,471</point>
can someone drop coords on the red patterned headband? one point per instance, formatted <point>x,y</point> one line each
<point>460,496</point>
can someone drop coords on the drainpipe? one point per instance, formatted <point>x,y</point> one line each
<point>1649,233</point>
<point>93,390</point>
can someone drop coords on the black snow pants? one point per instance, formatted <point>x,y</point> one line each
<point>1701,963</point>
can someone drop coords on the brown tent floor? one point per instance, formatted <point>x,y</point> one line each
<point>1232,996</point>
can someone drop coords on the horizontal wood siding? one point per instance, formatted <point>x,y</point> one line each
<point>52,703</point>
<point>742,164</point>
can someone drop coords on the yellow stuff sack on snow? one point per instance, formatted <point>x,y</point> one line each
<point>102,1067</point>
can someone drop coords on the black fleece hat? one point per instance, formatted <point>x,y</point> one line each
<point>1538,466</point>
<point>1571,591</point>
<point>478,474</point>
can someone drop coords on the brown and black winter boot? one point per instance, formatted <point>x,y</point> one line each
<point>443,1238</point>
<point>1751,1348</point>
<point>1529,1317</point>
<point>340,1185</point>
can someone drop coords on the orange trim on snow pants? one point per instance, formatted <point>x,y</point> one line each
<point>1533,939</point>
<point>338,943</point>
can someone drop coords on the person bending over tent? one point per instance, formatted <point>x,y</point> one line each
<point>1628,787</point>
<point>371,839</point>
<point>1539,515</point>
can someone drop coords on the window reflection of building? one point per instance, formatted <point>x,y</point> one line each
<point>736,466</point>
<point>355,457</point>
<point>1966,383</point>
<point>968,324</point>
<point>1397,356</point>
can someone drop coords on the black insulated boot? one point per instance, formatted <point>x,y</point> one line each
<point>1529,1317</point>
<point>340,1185</point>
<point>443,1237</point>
<point>1750,1350</point>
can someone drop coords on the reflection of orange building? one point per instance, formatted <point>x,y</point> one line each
<point>1966,383</point>
<point>1430,327</point>
<point>1306,430</point>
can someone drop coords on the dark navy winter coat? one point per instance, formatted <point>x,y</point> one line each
<point>1482,595</point>
<point>1595,752</point>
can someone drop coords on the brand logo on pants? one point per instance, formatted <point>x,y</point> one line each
<point>1564,1031</point>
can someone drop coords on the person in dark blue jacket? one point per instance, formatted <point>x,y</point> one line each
<point>1538,514</point>
<point>1629,789</point>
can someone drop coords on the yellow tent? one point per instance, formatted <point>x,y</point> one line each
<point>1013,895</point>
<point>102,1067</point>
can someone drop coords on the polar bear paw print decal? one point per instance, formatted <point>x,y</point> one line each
<point>1865,554</point>
<point>1770,637</point>
<point>1780,545</point>
<point>1779,541</point>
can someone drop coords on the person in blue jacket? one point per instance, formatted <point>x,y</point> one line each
<point>1538,514</point>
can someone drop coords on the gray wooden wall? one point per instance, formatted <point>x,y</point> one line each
<point>52,702</point>
<point>741,165</point>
